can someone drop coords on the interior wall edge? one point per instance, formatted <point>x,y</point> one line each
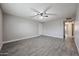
<point>1,28</point>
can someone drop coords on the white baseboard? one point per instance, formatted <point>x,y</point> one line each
<point>4,42</point>
<point>53,36</point>
<point>14,40</point>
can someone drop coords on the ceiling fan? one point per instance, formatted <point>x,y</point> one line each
<point>42,14</point>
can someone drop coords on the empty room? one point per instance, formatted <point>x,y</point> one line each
<point>39,29</point>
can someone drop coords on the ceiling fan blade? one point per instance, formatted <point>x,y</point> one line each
<point>50,14</point>
<point>34,16</point>
<point>35,10</point>
<point>47,9</point>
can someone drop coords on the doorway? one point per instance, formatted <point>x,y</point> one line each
<point>68,28</point>
<point>69,36</point>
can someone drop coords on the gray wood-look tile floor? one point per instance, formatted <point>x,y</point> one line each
<point>37,46</point>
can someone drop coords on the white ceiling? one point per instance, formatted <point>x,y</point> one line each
<point>62,10</point>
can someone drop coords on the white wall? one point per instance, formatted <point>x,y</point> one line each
<point>53,28</point>
<point>77,28</point>
<point>40,29</point>
<point>18,28</point>
<point>0,28</point>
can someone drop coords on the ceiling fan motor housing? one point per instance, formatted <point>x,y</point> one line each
<point>41,14</point>
<point>44,15</point>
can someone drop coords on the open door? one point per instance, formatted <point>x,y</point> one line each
<point>0,29</point>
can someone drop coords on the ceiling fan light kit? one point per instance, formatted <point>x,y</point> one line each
<point>41,17</point>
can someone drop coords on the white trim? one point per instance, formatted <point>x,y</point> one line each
<point>52,36</point>
<point>14,40</point>
<point>1,46</point>
<point>78,50</point>
<point>4,42</point>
